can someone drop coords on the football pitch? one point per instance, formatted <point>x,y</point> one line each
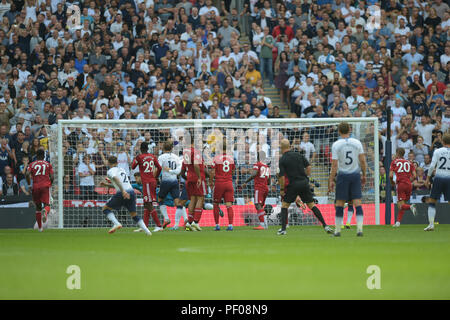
<point>307,263</point>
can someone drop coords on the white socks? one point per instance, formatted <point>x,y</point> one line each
<point>338,223</point>
<point>359,223</point>
<point>349,216</point>
<point>431,214</point>
<point>111,217</point>
<point>178,213</point>
<point>163,209</point>
<point>142,225</point>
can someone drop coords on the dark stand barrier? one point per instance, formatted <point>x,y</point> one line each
<point>14,216</point>
<point>442,214</point>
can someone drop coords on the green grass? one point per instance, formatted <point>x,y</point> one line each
<point>243,264</point>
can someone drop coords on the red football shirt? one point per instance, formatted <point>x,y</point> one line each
<point>192,157</point>
<point>148,164</point>
<point>262,177</point>
<point>223,167</point>
<point>40,173</point>
<point>403,170</point>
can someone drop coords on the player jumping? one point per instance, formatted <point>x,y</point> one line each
<point>261,177</point>
<point>441,181</point>
<point>348,160</point>
<point>124,197</point>
<point>149,169</point>
<point>41,172</point>
<point>222,172</point>
<point>405,172</point>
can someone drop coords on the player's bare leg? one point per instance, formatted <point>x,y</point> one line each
<point>312,206</point>
<point>107,211</point>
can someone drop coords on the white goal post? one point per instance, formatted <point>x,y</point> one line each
<point>247,135</point>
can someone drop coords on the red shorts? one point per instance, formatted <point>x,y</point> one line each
<point>149,191</point>
<point>404,191</point>
<point>41,195</point>
<point>225,191</point>
<point>193,190</point>
<point>261,195</point>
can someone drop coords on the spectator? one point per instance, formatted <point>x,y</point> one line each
<point>86,172</point>
<point>10,188</point>
<point>419,181</point>
<point>420,150</point>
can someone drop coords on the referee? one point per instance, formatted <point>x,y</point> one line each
<point>295,166</point>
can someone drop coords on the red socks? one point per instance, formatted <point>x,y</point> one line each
<point>39,219</point>
<point>216,213</point>
<point>402,211</point>
<point>146,217</point>
<point>400,215</point>
<point>230,215</point>
<point>155,218</point>
<point>198,214</point>
<point>260,214</point>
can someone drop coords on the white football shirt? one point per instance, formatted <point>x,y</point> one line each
<point>123,177</point>
<point>441,161</point>
<point>347,152</point>
<point>171,161</point>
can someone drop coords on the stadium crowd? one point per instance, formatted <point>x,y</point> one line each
<point>205,59</point>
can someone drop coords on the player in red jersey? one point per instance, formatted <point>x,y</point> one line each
<point>195,185</point>
<point>149,169</point>
<point>221,174</point>
<point>41,172</point>
<point>261,177</point>
<point>405,172</point>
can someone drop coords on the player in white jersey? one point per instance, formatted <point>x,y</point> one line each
<point>171,168</point>
<point>441,181</point>
<point>349,163</point>
<point>124,197</point>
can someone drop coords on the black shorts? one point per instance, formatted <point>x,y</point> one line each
<point>298,188</point>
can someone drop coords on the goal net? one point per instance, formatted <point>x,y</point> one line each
<point>79,151</point>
